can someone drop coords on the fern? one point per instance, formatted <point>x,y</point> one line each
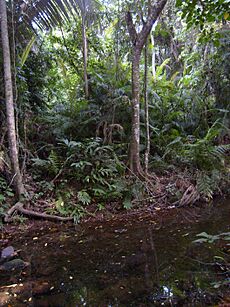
<point>204,185</point>
<point>84,197</point>
<point>54,165</point>
<point>99,192</point>
<point>91,164</point>
<point>219,152</point>
<point>210,183</point>
<point>206,156</point>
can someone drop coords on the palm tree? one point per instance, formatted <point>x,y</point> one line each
<point>49,13</point>
<point>43,14</point>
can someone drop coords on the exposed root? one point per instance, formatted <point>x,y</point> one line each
<point>18,207</point>
<point>150,181</point>
<point>191,195</point>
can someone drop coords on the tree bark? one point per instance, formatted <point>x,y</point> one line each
<point>147,135</point>
<point>85,57</point>
<point>153,51</point>
<point>138,40</point>
<point>12,140</point>
<point>135,165</point>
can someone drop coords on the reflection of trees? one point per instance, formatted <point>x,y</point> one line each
<point>81,296</point>
<point>151,261</point>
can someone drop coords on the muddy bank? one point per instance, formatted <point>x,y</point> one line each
<point>157,213</point>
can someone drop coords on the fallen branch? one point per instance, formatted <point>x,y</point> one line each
<point>19,207</point>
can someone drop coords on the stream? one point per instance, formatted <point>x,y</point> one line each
<point>136,261</point>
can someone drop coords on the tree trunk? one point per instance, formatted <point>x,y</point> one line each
<point>12,140</point>
<point>138,41</point>
<point>153,50</point>
<point>147,149</point>
<point>85,57</point>
<point>135,165</point>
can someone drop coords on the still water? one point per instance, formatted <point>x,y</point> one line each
<point>129,262</point>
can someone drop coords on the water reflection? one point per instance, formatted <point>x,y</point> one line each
<point>136,264</point>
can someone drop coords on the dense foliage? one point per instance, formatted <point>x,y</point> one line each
<point>74,147</point>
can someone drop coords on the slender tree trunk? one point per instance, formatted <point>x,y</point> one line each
<point>138,41</point>
<point>147,149</point>
<point>85,57</point>
<point>153,56</point>
<point>135,165</point>
<point>117,40</point>
<point>153,50</point>
<point>12,140</point>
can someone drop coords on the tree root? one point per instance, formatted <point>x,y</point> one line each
<point>190,196</point>
<point>18,207</point>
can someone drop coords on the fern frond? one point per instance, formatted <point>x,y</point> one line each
<point>54,162</point>
<point>204,185</point>
<point>219,152</point>
<point>84,197</point>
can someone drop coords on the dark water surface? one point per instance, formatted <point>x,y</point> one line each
<point>133,262</point>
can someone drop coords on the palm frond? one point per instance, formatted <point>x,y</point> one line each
<point>27,51</point>
<point>48,13</point>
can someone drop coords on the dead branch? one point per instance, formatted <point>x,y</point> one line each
<point>19,207</point>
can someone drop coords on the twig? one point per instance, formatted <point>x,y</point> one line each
<point>12,180</point>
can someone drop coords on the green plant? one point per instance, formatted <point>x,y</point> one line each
<point>19,218</point>
<point>65,206</point>
<point>96,167</point>
<point>5,191</point>
<point>219,261</point>
<point>51,165</point>
<point>2,214</point>
<point>84,197</point>
<point>97,170</point>
<point>209,183</point>
<point>100,206</point>
<point>5,194</point>
<point>44,189</point>
<point>206,238</point>
<point>206,156</point>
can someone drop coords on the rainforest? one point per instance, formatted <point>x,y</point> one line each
<point>113,112</point>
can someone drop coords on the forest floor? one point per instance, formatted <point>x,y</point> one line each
<point>146,214</point>
<point>160,200</point>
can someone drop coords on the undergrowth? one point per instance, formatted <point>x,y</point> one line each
<point>82,174</point>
